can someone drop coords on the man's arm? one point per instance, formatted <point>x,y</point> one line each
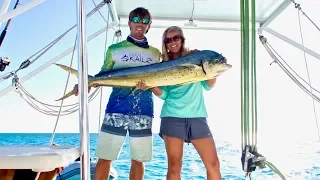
<point>108,62</point>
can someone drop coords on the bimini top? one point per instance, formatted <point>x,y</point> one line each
<point>204,10</point>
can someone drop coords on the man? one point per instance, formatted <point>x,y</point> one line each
<point>128,108</point>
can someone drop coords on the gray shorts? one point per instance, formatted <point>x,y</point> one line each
<point>185,128</point>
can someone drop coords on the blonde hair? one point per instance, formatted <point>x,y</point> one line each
<point>184,51</point>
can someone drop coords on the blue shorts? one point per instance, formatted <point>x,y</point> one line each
<point>185,128</point>
<point>113,133</point>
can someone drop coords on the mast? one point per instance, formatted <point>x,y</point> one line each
<point>83,91</point>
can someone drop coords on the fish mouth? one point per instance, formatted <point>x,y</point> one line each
<point>219,68</point>
<point>225,67</point>
<point>220,71</point>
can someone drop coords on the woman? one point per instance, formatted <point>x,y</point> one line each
<point>183,115</point>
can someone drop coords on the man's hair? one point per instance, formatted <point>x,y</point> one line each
<point>141,12</point>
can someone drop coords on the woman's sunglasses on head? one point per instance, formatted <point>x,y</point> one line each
<point>137,19</point>
<point>174,38</point>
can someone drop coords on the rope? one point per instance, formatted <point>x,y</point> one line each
<point>250,158</point>
<point>254,124</point>
<point>307,68</point>
<point>274,169</point>
<point>29,99</point>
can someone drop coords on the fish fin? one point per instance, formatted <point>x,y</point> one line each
<point>71,70</point>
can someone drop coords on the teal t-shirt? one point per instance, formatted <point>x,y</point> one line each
<point>184,101</point>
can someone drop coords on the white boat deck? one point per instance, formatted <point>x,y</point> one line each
<point>37,158</point>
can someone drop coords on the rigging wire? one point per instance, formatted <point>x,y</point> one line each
<point>107,21</point>
<point>298,6</point>
<point>28,62</point>
<point>30,99</point>
<point>65,90</point>
<point>193,5</point>
<point>106,41</point>
<point>307,68</point>
<point>270,50</point>
<point>104,56</point>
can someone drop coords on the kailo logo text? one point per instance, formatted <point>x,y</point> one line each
<point>136,57</point>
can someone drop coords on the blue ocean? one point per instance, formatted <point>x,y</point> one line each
<point>303,162</point>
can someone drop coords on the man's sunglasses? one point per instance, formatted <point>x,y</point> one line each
<point>174,38</point>
<point>137,19</point>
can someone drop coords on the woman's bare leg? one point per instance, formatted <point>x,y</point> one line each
<point>208,153</point>
<point>174,148</point>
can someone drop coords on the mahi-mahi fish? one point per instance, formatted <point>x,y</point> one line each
<point>198,66</point>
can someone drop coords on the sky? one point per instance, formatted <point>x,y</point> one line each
<point>283,108</point>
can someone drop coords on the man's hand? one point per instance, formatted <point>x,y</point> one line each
<point>141,85</point>
<point>75,90</point>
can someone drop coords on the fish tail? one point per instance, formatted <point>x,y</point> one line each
<point>68,69</point>
<point>75,73</point>
<point>72,92</point>
<point>71,70</point>
<point>66,95</point>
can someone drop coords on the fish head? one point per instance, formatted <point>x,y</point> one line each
<point>213,68</point>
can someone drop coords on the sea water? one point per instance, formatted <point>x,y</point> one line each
<point>303,162</point>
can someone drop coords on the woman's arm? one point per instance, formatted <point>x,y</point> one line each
<point>156,91</point>
<point>211,82</point>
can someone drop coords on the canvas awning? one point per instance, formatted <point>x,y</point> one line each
<point>204,10</point>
